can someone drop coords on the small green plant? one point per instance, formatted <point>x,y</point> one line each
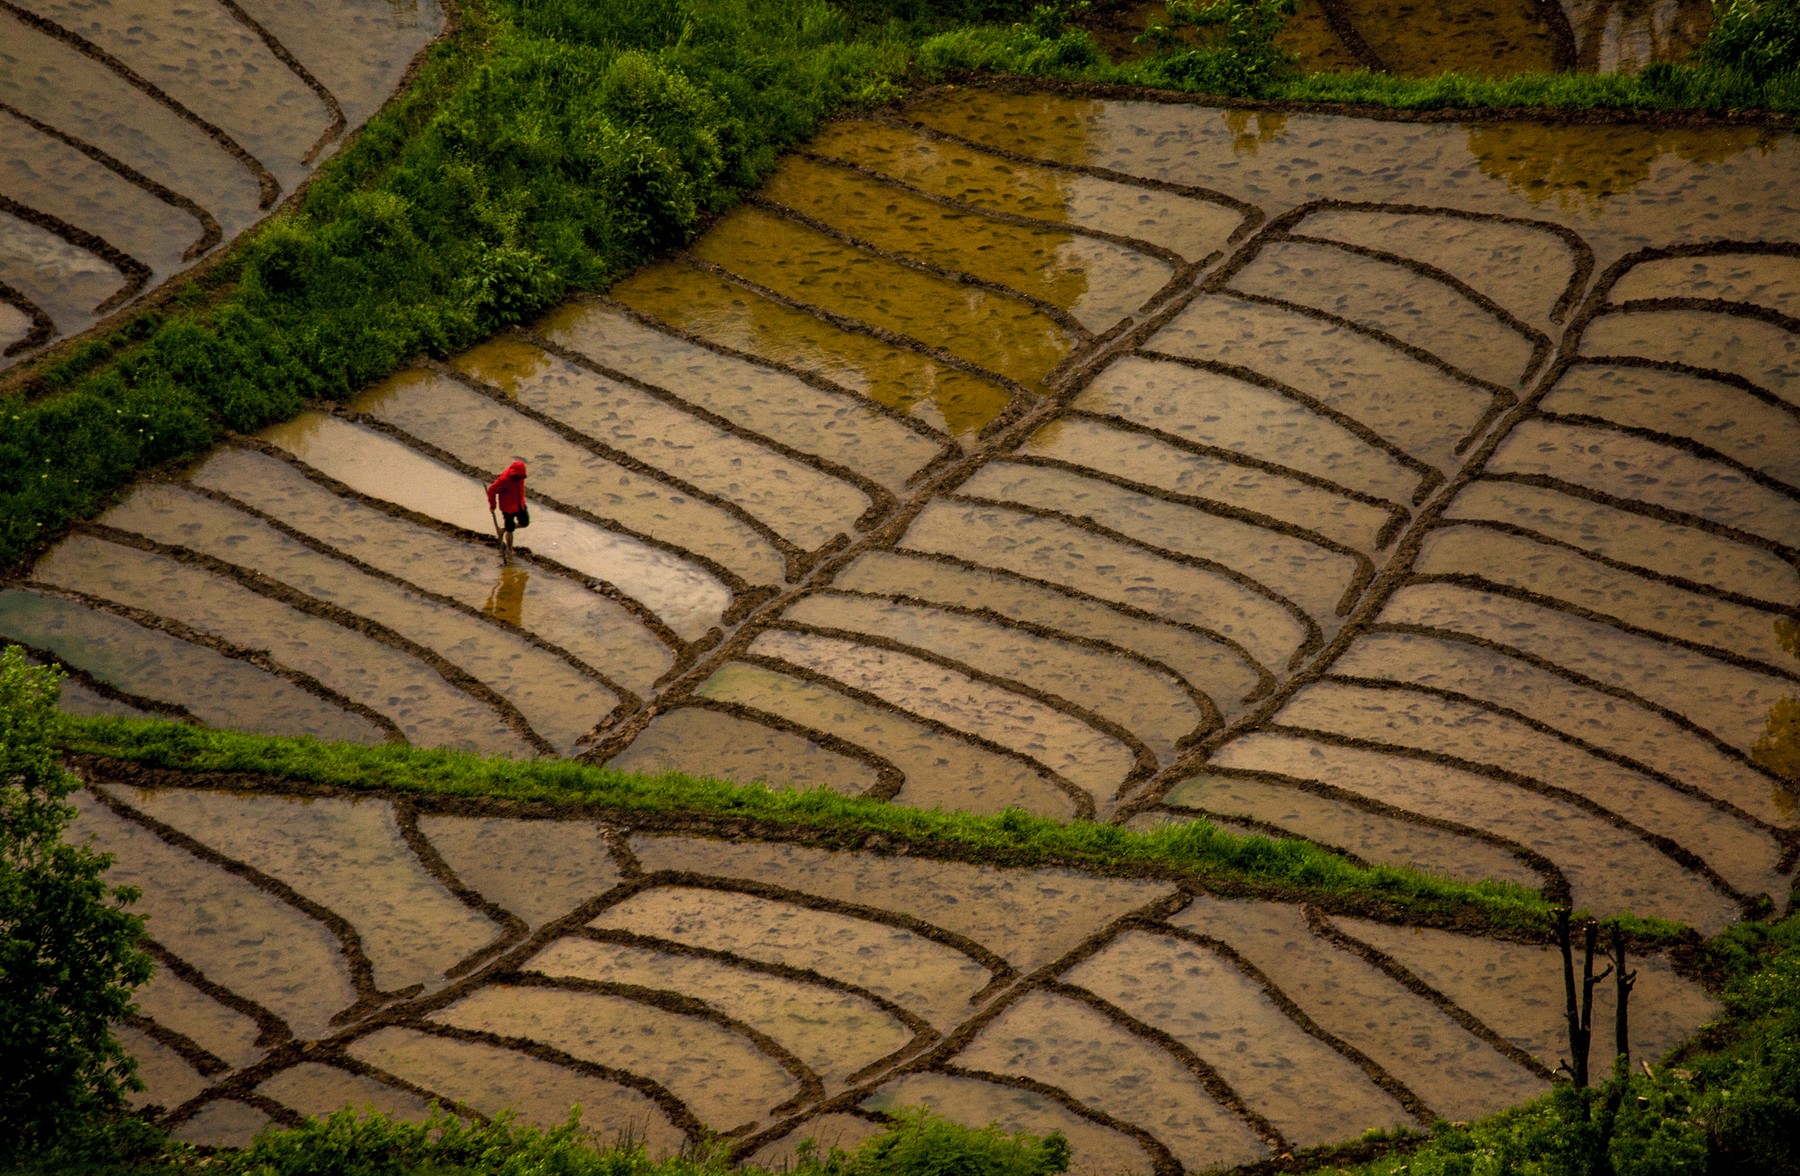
<point>68,948</point>
<point>1240,56</point>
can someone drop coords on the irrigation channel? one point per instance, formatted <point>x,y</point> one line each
<point>137,136</point>
<point>1428,491</point>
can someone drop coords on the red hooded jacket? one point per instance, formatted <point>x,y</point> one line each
<point>509,489</point>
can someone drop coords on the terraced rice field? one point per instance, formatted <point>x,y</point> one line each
<point>136,138</point>
<point>326,950</point>
<point>1358,481</point>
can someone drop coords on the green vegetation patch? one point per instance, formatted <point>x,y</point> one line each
<point>1199,852</point>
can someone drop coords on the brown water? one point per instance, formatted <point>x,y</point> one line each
<point>1768,280</point>
<point>347,856</point>
<point>1099,445</point>
<point>168,1080</point>
<point>428,709</point>
<point>356,49</point>
<point>1725,699</point>
<point>1148,703</point>
<point>921,975</point>
<point>1096,280</point>
<point>1645,541</point>
<point>711,743</point>
<point>721,1075</point>
<point>65,281</point>
<point>1637,600</point>
<point>1103,1066</point>
<point>1310,576</point>
<point>1064,743</point>
<point>1310,1092</point>
<point>1523,267</point>
<point>1608,870</point>
<point>1744,855</point>
<point>1098,1150</point>
<point>1062,553</point>
<point>1028,917</point>
<point>1607,722</point>
<point>1223,412</point>
<point>560,609</point>
<point>1613,35</point>
<point>1413,308</point>
<point>490,1079</point>
<point>1454,1072</point>
<point>315,1089</point>
<point>947,398</point>
<point>1406,402</point>
<point>806,505</point>
<point>538,870</point>
<point>939,769</point>
<point>835,1033</point>
<point>175,1004</point>
<point>687,597</point>
<point>484,434</point>
<point>291,964</point>
<point>1765,354</point>
<point>834,425</point>
<point>996,332</point>
<point>1191,227</point>
<point>41,171</point>
<point>1338,824</point>
<point>1650,471</point>
<point>58,85</point>
<point>218,690</point>
<point>559,702</point>
<point>1516,988</point>
<point>211,64</point>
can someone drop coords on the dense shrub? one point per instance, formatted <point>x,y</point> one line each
<point>1759,37</point>
<point>68,949</point>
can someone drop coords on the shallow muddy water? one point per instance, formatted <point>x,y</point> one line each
<point>1109,1069</point>
<point>703,742</point>
<point>938,768</point>
<point>946,397</point>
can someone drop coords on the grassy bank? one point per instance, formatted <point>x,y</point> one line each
<point>1198,852</point>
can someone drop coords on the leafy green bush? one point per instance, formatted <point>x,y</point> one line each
<point>68,950</point>
<point>1759,37</point>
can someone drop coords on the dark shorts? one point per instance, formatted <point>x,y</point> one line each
<point>520,517</point>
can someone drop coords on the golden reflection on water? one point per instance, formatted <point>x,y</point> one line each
<point>504,363</point>
<point>1580,167</point>
<point>1251,130</point>
<point>1779,748</point>
<point>506,600</point>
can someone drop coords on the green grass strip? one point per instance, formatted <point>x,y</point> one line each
<point>1197,851</point>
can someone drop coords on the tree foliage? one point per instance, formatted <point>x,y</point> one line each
<point>68,948</point>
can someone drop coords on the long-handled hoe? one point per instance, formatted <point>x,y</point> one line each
<point>505,547</point>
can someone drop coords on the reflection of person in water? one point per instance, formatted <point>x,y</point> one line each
<point>508,490</point>
<point>507,600</point>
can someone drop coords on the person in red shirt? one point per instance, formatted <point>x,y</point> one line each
<point>508,491</point>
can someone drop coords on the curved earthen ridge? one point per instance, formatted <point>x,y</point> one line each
<point>146,165</point>
<point>805,945</point>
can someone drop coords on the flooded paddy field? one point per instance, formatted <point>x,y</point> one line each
<point>138,138</point>
<point>1028,450</point>
<point>1425,491</point>
<point>328,950</point>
